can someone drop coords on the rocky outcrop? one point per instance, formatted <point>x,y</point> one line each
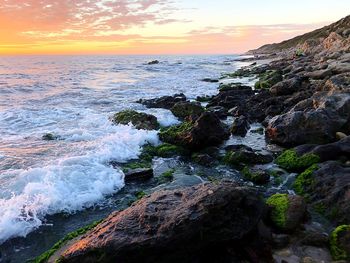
<point>196,134</point>
<point>315,120</point>
<point>140,120</point>
<point>188,225</point>
<point>165,102</point>
<point>184,109</point>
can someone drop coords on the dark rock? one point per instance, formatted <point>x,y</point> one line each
<point>153,62</point>
<point>197,134</point>
<point>165,102</point>
<point>138,119</point>
<point>327,152</point>
<point>287,87</point>
<point>140,174</point>
<point>330,187</point>
<point>203,159</point>
<point>255,175</point>
<point>329,115</point>
<point>210,80</point>
<point>219,111</point>
<point>185,225</point>
<point>246,155</point>
<point>240,126</point>
<point>287,211</point>
<point>50,137</point>
<point>184,109</point>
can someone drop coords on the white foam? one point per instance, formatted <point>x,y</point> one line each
<point>71,183</point>
<point>165,117</point>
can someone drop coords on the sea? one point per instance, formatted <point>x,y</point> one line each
<point>73,97</point>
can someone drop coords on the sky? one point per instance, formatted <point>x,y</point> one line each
<point>157,26</point>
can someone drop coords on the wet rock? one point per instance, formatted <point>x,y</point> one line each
<point>340,243</point>
<point>255,175</point>
<point>245,155</point>
<point>203,159</point>
<point>205,98</point>
<point>268,79</point>
<point>153,62</point>
<point>328,187</point>
<point>326,152</point>
<point>140,174</point>
<point>240,126</point>
<point>219,111</point>
<point>287,211</point>
<point>210,80</point>
<point>184,109</point>
<point>165,102</point>
<point>197,134</point>
<point>140,120</point>
<point>50,137</point>
<point>183,225</point>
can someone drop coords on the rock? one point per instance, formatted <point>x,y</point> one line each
<point>240,126</point>
<point>328,187</point>
<point>205,98</point>
<point>340,243</point>
<point>268,79</point>
<point>50,137</point>
<point>183,225</point>
<point>339,82</point>
<point>319,74</point>
<point>326,152</point>
<point>319,125</point>
<point>203,159</point>
<point>141,121</point>
<point>219,111</point>
<point>139,174</point>
<point>197,134</point>
<point>165,102</point>
<point>231,96</point>
<point>257,176</point>
<point>210,80</point>
<point>153,62</point>
<point>287,211</point>
<point>287,87</point>
<point>246,155</point>
<point>184,109</point>
<point>340,135</point>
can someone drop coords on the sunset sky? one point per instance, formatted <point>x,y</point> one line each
<point>157,26</point>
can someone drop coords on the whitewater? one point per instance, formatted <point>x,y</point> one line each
<point>73,98</point>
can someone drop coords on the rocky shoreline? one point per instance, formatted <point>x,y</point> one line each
<point>302,99</point>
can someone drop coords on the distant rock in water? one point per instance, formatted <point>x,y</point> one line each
<point>211,221</point>
<point>153,62</point>
<point>210,80</point>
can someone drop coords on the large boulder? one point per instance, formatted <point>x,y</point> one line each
<point>287,87</point>
<point>165,102</point>
<point>184,225</point>
<point>327,186</point>
<point>330,113</point>
<point>197,134</point>
<point>140,120</point>
<point>184,109</point>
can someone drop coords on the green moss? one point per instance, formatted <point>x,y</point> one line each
<point>235,158</point>
<point>279,204</point>
<point>338,252</point>
<point>255,177</point>
<point>290,161</point>
<point>304,180</point>
<point>46,255</point>
<point>166,176</point>
<point>140,194</point>
<point>138,119</point>
<point>268,79</point>
<point>132,165</point>
<point>173,133</point>
<point>320,208</point>
<point>184,109</point>
<point>258,130</point>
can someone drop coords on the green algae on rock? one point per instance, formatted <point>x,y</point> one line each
<point>43,258</point>
<point>290,161</point>
<point>141,121</point>
<point>268,79</point>
<point>339,250</point>
<point>184,108</point>
<point>304,179</point>
<point>279,204</point>
<point>256,176</point>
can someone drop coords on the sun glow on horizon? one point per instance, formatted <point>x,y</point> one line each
<point>155,26</point>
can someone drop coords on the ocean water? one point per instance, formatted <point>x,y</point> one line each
<point>73,97</point>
